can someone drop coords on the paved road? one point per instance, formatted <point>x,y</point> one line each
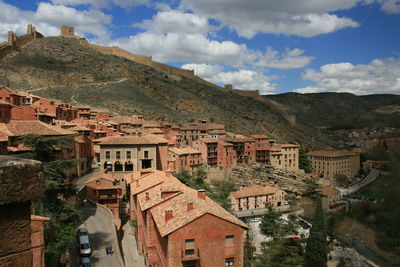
<point>100,229</point>
<point>372,175</point>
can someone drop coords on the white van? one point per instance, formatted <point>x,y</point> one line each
<point>84,245</point>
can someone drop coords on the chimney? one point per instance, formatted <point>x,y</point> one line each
<point>201,193</point>
<point>147,196</point>
<point>137,183</point>
<point>190,206</point>
<point>168,173</point>
<point>168,215</point>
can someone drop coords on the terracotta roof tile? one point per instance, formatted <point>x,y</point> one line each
<point>129,140</point>
<point>157,181</point>
<point>183,151</point>
<point>255,191</point>
<point>259,136</point>
<point>331,153</point>
<point>19,128</point>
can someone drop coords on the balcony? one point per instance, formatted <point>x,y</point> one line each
<point>190,255</point>
<point>107,196</point>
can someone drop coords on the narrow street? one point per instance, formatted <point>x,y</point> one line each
<point>101,233</point>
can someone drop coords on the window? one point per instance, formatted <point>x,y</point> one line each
<point>107,154</point>
<point>229,262</point>
<point>7,99</point>
<point>146,154</point>
<point>128,154</point>
<point>189,244</point>
<point>118,154</point>
<point>229,240</point>
<point>189,247</point>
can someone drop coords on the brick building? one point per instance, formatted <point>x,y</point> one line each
<point>329,162</point>
<point>172,219</point>
<point>248,198</point>
<point>226,155</point>
<point>244,147</point>
<point>107,190</point>
<point>184,159</point>
<point>209,150</point>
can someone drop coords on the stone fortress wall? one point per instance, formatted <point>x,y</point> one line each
<point>15,41</point>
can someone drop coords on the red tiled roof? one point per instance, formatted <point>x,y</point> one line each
<point>331,153</point>
<point>183,151</point>
<point>255,191</point>
<point>128,140</point>
<point>259,136</point>
<point>19,128</point>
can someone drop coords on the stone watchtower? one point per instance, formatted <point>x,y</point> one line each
<point>20,183</point>
<point>67,31</point>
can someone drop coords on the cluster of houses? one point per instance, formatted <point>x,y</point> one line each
<point>137,159</point>
<point>131,143</point>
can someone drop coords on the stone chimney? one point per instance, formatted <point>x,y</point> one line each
<point>201,193</point>
<point>190,206</point>
<point>168,173</point>
<point>168,215</point>
<point>147,196</point>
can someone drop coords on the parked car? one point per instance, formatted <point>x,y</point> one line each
<point>85,262</point>
<point>83,240</point>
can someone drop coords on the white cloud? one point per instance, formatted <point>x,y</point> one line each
<point>102,3</point>
<point>48,18</point>
<point>174,35</point>
<point>377,77</point>
<point>174,21</point>
<point>205,71</point>
<point>304,18</point>
<point>391,6</point>
<point>241,79</point>
<point>291,59</point>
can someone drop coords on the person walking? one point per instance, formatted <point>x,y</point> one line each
<point>110,250</point>
<point>106,248</point>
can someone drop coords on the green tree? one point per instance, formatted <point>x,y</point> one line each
<point>269,224</point>
<point>317,247</point>
<point>280,253</point>
<point>60,230</point>
<point>248,253</point>
<point>304,161</point>
<point>341,179</point>
<point>221,190</point>
<point>311,189</point>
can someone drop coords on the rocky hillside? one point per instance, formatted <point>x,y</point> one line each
<point>66,69</point>
<point>341,110</point>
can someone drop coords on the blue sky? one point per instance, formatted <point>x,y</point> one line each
<point>271,46</point>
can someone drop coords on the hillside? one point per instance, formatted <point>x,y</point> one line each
<point>341,110</point>
<point>66,69</point>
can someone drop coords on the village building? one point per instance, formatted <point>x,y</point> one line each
<point>244,147</point>
<point>186,159</point>
<point>83,112</point>
<point>81,148</point>
<point>329,163</point>
<point>226,155</point>
<point>330,196</point>
<point>209,150</point>
<point>172,218</point>
<point>249,198</point>
<point>107,190</point>
<point>262,147</point>
<point>132,153</point>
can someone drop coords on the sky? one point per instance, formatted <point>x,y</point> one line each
<point>303,46</point>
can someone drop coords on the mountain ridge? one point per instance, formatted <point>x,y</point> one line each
<point>63,68</point>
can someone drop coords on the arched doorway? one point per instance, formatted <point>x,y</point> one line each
<point>128,166</point>
<point>118,167</point>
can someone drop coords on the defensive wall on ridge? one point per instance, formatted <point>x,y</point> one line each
<point>15,41</point>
